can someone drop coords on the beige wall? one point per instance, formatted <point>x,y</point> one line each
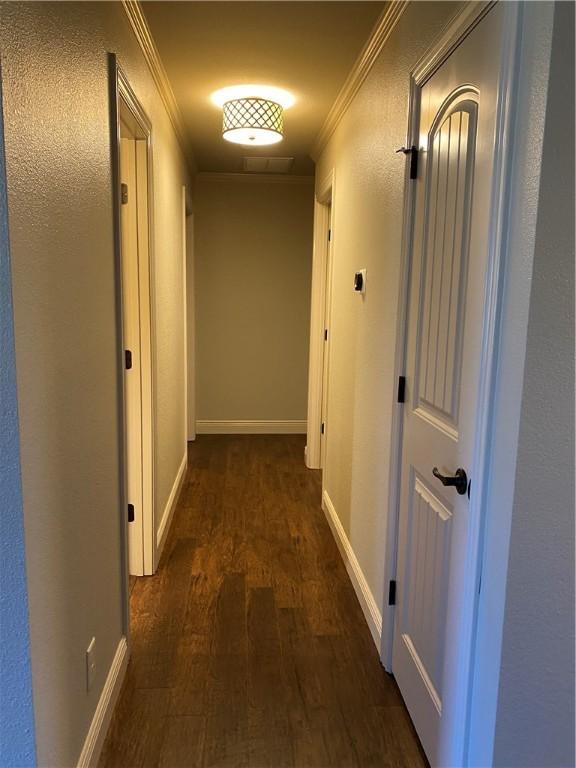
<point>367,210</point>
<point>253,252</point>
<point>57,131</point>
<point>535,719</point>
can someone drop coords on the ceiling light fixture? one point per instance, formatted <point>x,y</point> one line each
<point>253,114</point>
<point>253,121</point>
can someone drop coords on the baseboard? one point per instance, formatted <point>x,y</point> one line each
<point>364,594</point>
<point>206,427</point>
<point>99,727</point>
<point>168,513</point>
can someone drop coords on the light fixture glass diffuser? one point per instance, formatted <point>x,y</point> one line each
<point>253,121</point>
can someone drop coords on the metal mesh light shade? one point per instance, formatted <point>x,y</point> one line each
<point>252,121</point>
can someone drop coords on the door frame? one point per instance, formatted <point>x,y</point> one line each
<point>505,314</point>
<point>319,315</point>
<point>124,101</point>
<point>189,314</point>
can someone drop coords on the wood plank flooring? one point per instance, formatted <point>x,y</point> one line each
<point>249,647</point>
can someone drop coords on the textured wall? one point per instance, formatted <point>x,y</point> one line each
<point>367,213</point>
<point>253,269</point>
<point>57,132</point>
<point>535,722</point>
<point>17,730</point>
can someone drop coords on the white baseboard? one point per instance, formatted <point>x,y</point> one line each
<point>99,726</point>
<point>206,427</point>
<point>168,513</point>
<point>366,598</point>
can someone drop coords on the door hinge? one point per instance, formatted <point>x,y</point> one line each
<point>329,235</point>
<point>123,193</point>
<point>392,592</point>
<point>130,513</point>
<point>325,334</point>
<point>128,359</point>
<point>322,429</point>
<point>401,396</point>
<point>413,152</point>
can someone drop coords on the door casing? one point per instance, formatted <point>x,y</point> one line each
<point>473,741</point>
<point>127,109</point>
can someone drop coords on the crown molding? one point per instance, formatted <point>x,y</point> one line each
<point>364,63</point>
<point>255,178</point>
<point>137,20</point>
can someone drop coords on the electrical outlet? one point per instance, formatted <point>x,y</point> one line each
<point>91,664</point>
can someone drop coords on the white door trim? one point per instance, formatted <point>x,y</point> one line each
<point>120,89</point>
<point>323,212</point>
<point>189,317</point>
<point>127,98</point>
<point>497,307</point>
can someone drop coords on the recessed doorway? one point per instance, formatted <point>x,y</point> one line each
<point>320,331</point>
<point>134,178</point>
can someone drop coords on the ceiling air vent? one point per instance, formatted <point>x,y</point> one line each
<point>268,164</point>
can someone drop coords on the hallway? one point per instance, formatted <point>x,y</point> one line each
<point>249,647</point>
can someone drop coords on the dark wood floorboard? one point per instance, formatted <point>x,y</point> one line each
<point>249,647</point>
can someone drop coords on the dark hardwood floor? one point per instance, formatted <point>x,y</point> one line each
<point>249,647</point>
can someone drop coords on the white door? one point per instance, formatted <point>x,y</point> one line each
<point>326,348</point>
<point>445,317</point>
<point>131,336</point>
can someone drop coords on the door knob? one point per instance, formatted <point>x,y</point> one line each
<point>459,480</point>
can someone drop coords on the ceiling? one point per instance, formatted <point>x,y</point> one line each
<point>305,47</point>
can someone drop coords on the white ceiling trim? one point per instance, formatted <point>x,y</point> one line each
<point>255,178</point>
<point>146,42</point>
<point>359,72</point>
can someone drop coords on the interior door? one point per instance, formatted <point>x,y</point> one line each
<point>131,336</point>
<point>445,317</point>
<point>326,355</point>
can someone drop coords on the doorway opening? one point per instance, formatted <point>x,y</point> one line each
<point>320,325</point>
<point>135,178</point>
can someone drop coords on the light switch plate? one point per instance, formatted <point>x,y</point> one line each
<point>360,281</point>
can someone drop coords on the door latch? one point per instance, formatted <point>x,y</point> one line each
<point>413,152</point>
